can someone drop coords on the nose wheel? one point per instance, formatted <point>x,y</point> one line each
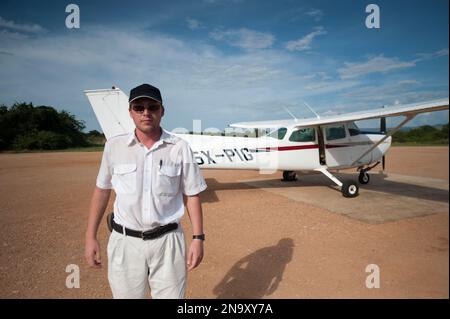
<point>363,177</point>
<point>349,189</point>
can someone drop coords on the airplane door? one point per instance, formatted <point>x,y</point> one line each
<point>321,143</point>
<point>360,144</point>
<point>337,152</point>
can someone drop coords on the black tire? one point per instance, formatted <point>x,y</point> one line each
<point>350,189</point>
<point>364,178</point>
<point>289,176</point>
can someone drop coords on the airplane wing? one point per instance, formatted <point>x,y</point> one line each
<point>111,109</point>
<point>397,110</point>
<point>265,124</point>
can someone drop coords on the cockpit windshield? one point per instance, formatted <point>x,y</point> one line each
<point>277,133</point>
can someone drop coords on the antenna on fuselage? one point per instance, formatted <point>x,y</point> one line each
<point>290,113</point>
<point>311,109</point>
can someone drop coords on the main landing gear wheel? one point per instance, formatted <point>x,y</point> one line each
<point>289,176</point>
<point>363,177</point>
<point>350,189</point>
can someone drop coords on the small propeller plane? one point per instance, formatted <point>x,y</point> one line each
<point>313,144</point>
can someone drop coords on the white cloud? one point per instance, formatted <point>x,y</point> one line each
<point>30,28</point>
<point>405,91</point>
<point>194,78</point>
<point>305,42</point>
<point>323,76</point>
<point>408,82</point>
<point>433,55</point>
<point>12,36</point>
<point>197,80</point>
<point>378,64</point>
<point>322,87</point>
<point>381,64</point>
<point>193,24</point>
<point>244,38</point>
<point>316,14</point>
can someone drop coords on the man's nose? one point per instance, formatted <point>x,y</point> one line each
<point>146,111</point>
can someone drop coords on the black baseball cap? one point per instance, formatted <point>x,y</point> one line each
<point>145,90</point>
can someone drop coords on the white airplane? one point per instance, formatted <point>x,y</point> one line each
<point>314,144</point>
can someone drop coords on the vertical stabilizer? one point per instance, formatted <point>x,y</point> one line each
<point>111,109</point>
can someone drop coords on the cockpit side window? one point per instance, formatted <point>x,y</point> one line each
<point>303,135</point>
<point>335,132</point>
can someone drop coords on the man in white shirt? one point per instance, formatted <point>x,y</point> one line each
<point>154,175</point>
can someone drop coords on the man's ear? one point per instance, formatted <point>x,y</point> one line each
<point>162,112</point>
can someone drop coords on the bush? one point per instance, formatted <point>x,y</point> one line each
<point>44,140</point>
<point>423,134</point>
<point>24,126</point>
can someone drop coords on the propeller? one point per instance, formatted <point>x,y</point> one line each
<point>383,131</point>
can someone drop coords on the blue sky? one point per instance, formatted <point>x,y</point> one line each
<point>225,61</point>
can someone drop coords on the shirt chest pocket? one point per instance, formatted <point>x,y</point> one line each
<point>124,178</point>
<point>168,180</point>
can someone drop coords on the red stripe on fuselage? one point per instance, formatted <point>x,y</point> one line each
<point>299,147</point>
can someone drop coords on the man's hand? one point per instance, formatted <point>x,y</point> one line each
<point>195,254</point>
<point>99,201</point>
<point>92,253</point>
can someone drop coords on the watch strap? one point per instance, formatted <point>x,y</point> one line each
<point>201,237</point>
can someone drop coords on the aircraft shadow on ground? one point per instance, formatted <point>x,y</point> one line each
<point>256,275</point>
<point>378,183</point>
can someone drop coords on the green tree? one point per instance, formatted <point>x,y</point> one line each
<point>24,126</point>
<point>423,134</point>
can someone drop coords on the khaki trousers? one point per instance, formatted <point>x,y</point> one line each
<point>134,265</point>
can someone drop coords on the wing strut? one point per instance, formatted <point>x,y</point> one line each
<point>390,133</point>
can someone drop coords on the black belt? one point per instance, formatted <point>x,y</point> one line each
<point>145,235</point>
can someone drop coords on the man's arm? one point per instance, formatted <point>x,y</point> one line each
<point>194,208</point>
<point>99,202</point>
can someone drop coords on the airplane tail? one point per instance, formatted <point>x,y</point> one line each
<point>111,109</point>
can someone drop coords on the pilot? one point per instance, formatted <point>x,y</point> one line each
<point>154,176</point>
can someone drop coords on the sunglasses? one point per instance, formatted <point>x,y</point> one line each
<point>140,108</point>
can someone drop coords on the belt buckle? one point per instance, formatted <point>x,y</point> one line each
<point>146,235</point>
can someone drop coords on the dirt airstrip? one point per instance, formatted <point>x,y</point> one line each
<point>265,238</point>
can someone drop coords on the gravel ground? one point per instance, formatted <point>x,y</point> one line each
<point>260,243</point>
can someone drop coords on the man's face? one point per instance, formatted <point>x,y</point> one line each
<point>146,114</point>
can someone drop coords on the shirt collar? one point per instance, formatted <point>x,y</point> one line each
<point>165,137</point>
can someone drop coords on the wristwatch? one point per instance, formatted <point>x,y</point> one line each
<point>201,237</point>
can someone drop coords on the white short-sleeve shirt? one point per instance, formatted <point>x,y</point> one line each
<point>149,183</point>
